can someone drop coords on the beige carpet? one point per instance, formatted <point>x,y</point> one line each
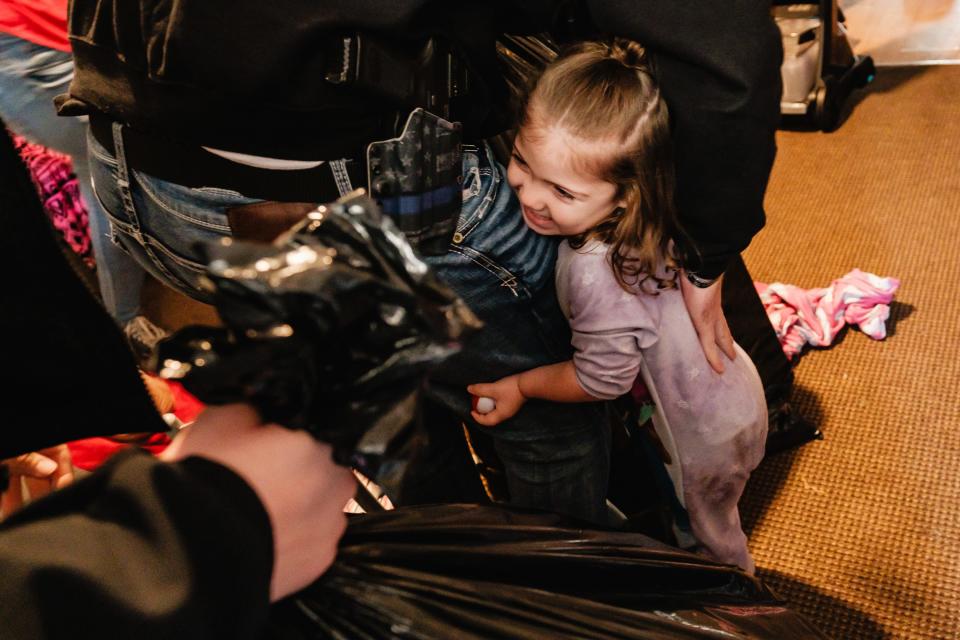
<point>861,531</point>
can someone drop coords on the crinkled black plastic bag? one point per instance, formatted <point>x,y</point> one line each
<point>472,572</point>
<point>331,328</point>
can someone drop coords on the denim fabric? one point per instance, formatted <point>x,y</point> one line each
<point>30,77</point>
<point>159,223</point>
<point>556,456</point>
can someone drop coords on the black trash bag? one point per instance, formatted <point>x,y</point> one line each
<point>471,571</point>
<point>331,328</point>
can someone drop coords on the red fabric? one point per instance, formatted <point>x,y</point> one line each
<point>185,406</point>
<point>43,22</point>
<point>90,453</point>
<point>640,393</point>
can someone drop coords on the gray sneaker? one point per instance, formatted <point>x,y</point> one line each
<point>143,337</point>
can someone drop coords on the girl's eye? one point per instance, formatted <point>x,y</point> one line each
<point>518,159</point>
<point>565,195</point>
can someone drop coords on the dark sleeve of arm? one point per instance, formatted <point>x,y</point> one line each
<point>140,549</point>
<point>719,68</point>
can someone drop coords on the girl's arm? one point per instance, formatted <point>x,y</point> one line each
<point>556,382</point>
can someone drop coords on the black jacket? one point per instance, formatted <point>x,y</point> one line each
<point>249,77</point>
<point>140,549</point>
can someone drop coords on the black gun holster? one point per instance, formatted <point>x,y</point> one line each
<point>415,176</point>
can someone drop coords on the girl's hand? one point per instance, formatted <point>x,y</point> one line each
<point>506,393</point>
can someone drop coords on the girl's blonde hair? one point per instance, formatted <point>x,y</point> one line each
<point>604,93</point>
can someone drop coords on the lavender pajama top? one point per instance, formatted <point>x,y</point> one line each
<point>712,425</point>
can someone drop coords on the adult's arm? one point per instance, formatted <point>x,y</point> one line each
<point>196,547</point>
<point>139,549</point>
<point>718,64</point>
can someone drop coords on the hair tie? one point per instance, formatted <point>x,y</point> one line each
<point>629,53</point>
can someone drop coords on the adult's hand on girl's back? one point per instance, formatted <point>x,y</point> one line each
<point>703,305</point>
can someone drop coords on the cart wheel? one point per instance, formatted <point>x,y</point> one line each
<point>866,71</point>
<point>827,109</point>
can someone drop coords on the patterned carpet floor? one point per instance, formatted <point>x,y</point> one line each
<point>861,530</point>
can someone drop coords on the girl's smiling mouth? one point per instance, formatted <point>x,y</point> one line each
<point>535,219</point>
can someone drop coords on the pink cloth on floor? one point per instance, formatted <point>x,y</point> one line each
<point>815,316</point>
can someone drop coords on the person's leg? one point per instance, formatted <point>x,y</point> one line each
<point>712,487</point>
<point>556,456</point>
<point>566,474</point>
<point>30,77</point>
<point>119,275</point>
<point>752,330</point>
<point>715,428</point>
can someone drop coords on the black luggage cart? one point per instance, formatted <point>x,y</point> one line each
<point>820,70</point>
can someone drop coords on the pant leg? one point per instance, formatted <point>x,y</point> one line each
<point>30,77</point>
<point>566,474</point>
<point>751,329</point>
<point>712,491</point>
<point>118,274</point>
<point>556,455</point>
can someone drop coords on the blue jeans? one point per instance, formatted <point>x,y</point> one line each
<point>163,224</point>
<point>160,224</point>
<point>30,77</point>
<point>556,456</point>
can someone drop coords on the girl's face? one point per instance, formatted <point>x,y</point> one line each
<point>556,198</point>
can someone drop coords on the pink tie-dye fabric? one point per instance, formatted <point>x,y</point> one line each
<point>816,316</point>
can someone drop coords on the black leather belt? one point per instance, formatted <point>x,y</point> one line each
<point>193,166</point>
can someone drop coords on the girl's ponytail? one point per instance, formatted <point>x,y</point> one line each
<point>629,53</point>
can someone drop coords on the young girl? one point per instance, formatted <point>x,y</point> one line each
<point>591,162</point>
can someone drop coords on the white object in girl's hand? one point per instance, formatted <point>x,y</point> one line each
<point>484,404</point>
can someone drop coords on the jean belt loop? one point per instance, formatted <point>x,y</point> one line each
<point>123,176</point>
<point>341,177</point>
